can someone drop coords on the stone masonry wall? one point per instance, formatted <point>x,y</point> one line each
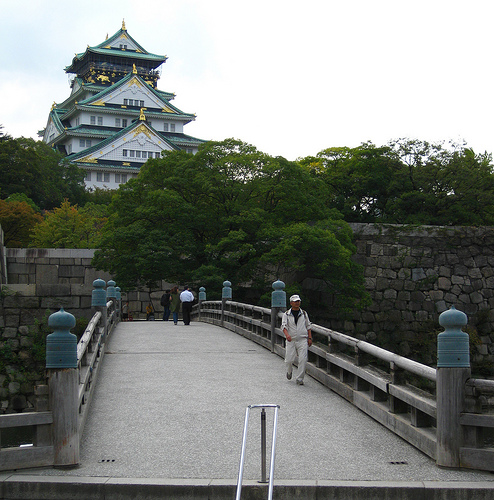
<point>415,273</point>
<point>37,280</point>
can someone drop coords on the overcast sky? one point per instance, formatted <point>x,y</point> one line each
<point>290,77</point>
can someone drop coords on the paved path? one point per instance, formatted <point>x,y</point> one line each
<point>170,403</point>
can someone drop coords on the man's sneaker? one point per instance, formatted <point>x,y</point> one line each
<point>300,382</point>
<point>288,376</point>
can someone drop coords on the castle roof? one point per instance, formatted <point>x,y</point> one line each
<point>122,45</point>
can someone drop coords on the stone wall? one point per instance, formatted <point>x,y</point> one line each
<point>36,281</point>
<point>413,274</point>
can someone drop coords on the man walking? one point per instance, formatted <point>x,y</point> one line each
<point>187,298</point>
<point>296,326</point>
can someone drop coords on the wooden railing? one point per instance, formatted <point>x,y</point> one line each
<point>90,351</point>
<point>397,392</point>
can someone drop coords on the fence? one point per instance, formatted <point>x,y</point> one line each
<point>57,431</point>
<point>442,419</point>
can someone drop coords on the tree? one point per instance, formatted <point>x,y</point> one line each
<point>33,168</point>
<point>17,219</point>
<point>408,182</point>
<point>70,227</point>
<point>361,180</point>
<point>228,212</point>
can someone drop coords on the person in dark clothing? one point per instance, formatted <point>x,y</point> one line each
<point>165,302</point>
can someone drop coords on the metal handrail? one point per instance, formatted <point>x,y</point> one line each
<point>273,449</point>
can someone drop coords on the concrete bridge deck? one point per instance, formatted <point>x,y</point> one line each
<point>169,409</point>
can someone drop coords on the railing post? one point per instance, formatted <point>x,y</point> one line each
<point>226,294</point>
<point>63,380</point>
<point>278,303</point>
<point>98,301</point>
<point>453,369</point>
<point>202,298</point>
<point>118,295</point>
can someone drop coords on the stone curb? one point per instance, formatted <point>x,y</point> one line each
<point>26,487</point>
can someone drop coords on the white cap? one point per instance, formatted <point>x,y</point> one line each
<point>294,298</point>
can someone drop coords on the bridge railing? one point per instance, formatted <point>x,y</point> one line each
<point>396,391</point>
<point>44,449</point>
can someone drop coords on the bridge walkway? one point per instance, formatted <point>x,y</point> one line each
<point>170,403</point>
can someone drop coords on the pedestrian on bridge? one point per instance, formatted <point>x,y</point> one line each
<point>165,302</point>
<point>296,326</point>
<point>187,299</point>
<point>174,303</point>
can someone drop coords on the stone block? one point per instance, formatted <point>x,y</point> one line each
<point>69,303</point>
<point>9,333</point>
<point>444,283</point>
<point>14,387</point>
<point>53,290</point>
<point>12,319</point>
<point>71,271</point>
<point>21,302</point>
<point>46,274</point>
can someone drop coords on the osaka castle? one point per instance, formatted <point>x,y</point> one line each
<point>115,118</point>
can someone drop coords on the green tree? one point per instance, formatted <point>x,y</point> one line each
<point>228,212</point>
<point>70,227</point>
<point>33,168</point>
<point>408,182</point>
<point>449,185</point>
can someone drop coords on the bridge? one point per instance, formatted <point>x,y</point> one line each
<point>166,415</point>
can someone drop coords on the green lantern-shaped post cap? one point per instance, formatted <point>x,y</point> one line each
<point>98,297</point>
<point>61,345</point>
<point>453,347</point>
<point>111,292</point>
<point>118,293</point>
<point>278,297</point>
<point>202,293</point>
<point>226,293</point>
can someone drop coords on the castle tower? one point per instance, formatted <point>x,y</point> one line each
<point>115,118</point>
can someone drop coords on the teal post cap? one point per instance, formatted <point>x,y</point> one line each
<point>111,292</point>
<point>453,346</point>
<point>98,297</point>
<point>202,293</point>
<point>278,297</point>
<point>226,292</point>
<point>61,345</point>
<point>118,293</point>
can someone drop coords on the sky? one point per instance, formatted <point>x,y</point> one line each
<point>290,77</point>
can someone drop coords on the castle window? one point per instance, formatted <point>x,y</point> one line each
<point>88,176</point>
<point>99,177</point>
<point>141,104</point>
<point>124,152</point>
<point>117,122</point>
<point>107,177</point>
<point>117,178</point>
<point>100,120</point>
<point>132,153</point>
<point>124,122</point>
<point>172,127</point>
<point>165,127</point>
<point>138,154</point>
<point>124,177</point>
<point>92,120</point>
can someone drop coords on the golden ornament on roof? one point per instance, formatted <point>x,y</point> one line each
<point>123,25</point>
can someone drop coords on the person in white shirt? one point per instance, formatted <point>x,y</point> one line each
<point>296,326</point>
<point>187,299</point>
